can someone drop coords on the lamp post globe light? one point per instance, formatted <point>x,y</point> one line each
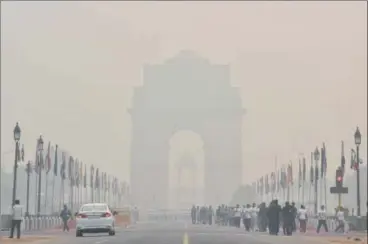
<point>358,140</point>
<point>39,166</point>
<point>17,133</point>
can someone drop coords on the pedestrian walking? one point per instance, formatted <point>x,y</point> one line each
<point>210,215</point>
<point>340,215</point>
<point>262,217</point>
<point>322,219</point>
<point>17,217</point>
<point>303,218</point>
<point>194,214</point>
<point>254,220</point>
<point>295,212</point>
<point>237,216</point>
<point>273,216</point>
<point>247,217</point>
<point>65,215</point>
<point>288,219</point>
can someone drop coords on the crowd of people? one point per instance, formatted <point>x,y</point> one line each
<point>264,218</point>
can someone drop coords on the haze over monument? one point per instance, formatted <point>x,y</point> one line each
<point>69,70</point>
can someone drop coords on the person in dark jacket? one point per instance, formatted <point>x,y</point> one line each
<point>288,218</point>
<point>194,214</point>
<point>210,215</point>
<point>295,213</point>
<point>65,215</point>
<point>262,217</point>
<point>273,215</point>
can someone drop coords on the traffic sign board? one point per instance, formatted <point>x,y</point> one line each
<point>338,190</point>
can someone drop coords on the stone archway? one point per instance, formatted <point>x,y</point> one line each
<point>186,92</point>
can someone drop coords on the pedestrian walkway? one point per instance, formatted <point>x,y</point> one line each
<point>27,239</point>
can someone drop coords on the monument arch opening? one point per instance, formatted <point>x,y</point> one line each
<point>186,92</point>
<point>186,170</point>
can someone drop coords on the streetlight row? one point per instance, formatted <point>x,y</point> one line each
<point>76,175</point>
<point>281,179</point>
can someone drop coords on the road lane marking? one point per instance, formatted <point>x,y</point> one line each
<point>185,238</point>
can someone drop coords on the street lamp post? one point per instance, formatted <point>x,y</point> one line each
<point>39,166</point>
<point>17,133</point>
<point>316,158</point>
<point>358,138</point>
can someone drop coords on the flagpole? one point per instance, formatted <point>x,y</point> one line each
<point>303,179</point>
<point>52,195</point>
<point>46,189</point>
<point>62,199</point>
<point>37,171</point>
<point>325,171</point>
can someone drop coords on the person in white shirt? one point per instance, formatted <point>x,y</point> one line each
<point>247,217</point>
<point>322,219</point>
<point>340,215</point>
<point>237,216</point>
<point>17,217</point>
<point>254,222</point>
<point>303,218</point>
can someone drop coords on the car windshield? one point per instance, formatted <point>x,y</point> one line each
<point>93,208</point>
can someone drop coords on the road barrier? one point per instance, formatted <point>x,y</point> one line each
<point>32,223</point>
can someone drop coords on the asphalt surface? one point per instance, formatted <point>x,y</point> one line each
<point>176,233</point>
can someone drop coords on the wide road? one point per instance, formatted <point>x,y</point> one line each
<point>178,233</point>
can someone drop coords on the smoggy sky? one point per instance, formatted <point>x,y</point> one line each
<point>68,70</point>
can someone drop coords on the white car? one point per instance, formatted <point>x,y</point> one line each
<point>95,218</point>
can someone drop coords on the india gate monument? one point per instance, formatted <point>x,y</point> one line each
<point>186,92</point>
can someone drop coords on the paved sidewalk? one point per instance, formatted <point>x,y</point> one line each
<point>27,239</point>
<point>338,239</point>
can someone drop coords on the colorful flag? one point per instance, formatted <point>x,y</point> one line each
<point>343,162</point>
<point>97,180</point>
<point>300,175</point>
<point>81,179</point>
<point>273,182</point>
<point>311,174</point>
<point>56,160</point>
<point>105,182</point>
<point>353,160</point>
<point>316,176</point>
<point>48,159</point>
<point>29,168</point>
<point>92,175</point>
<point>85,176</point>
<point>290,174</point>
<point>323,161</point>
<point>37,160</point>
<point>71,171</point>
<point>63,166</point>
<point>22,153</point>
<point>76,172</point>
<point>278,181</point>
<point>262,185</point>
<point>304,170</point>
